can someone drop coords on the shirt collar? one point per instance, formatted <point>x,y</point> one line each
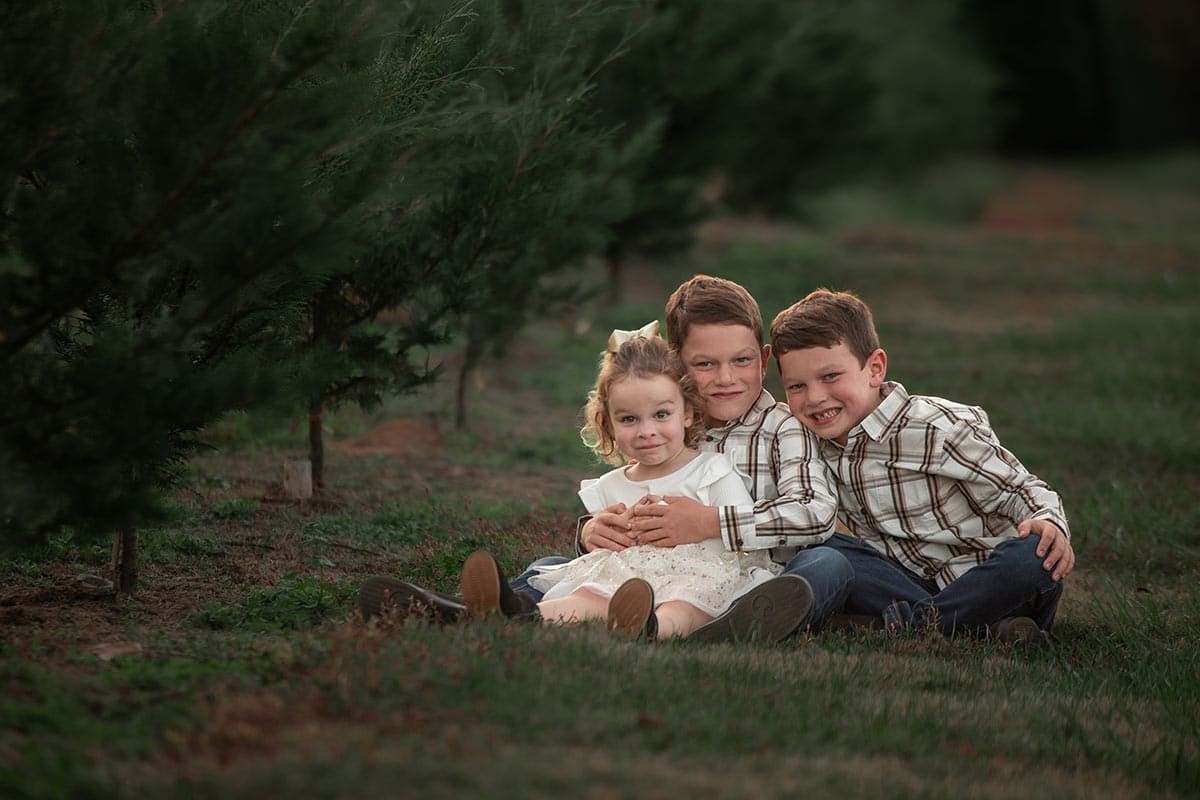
<point>880,423</point>
<point>762,405</point>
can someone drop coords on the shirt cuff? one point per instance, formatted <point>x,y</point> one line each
<point>1052,515</point>
<point>737,528</point>
<point>579,523</point>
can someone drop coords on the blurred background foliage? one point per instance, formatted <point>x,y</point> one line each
<point>213,206</point>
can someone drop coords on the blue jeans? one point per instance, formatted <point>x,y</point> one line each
<point>831,577</point>
<point>521,582</point>
<point>1011,583</point>
<point>827,571</point>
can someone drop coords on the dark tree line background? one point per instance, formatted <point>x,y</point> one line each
<point>207,206</point>
<point>1092,77</point>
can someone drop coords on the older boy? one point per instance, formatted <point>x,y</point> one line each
<point>941,511</point>
<point>718,329</point>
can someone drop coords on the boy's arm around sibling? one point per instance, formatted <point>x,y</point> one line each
<point>795,496</point>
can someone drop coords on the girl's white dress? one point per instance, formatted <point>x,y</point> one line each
<point>705,574</point>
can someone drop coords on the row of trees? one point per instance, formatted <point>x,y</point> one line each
<point>208,205</point>
<point>1098,76</point>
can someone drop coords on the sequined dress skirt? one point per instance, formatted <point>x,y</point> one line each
<point>705,575</point>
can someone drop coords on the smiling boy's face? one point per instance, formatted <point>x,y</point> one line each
<point>727,366</point>
<point>828,390</point>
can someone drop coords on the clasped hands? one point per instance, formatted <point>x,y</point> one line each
<point>653,520</point>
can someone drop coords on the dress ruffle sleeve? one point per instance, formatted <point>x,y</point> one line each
<point>591,495</point>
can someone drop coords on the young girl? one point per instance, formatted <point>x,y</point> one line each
<point>644,412</point>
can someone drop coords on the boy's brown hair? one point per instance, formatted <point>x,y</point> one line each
<point>826,319</point>
<point>640,357</point>
<point>705,300</point>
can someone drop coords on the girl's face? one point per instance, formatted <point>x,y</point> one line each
<point>648,418</point>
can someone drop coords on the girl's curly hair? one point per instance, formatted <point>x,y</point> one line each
<point>637,358</point>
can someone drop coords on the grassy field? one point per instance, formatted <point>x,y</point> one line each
<point>1063,299</point>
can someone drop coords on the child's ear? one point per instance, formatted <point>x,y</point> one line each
<point>766,358</point>
<point>877,368</point>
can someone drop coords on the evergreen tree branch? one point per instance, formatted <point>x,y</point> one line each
<point>338,390</point>
<point>13,343</point>
<point>538,145</point>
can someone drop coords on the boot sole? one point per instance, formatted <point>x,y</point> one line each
<point>768,613</point>
<point>480,585</point>
<point>630,608</point>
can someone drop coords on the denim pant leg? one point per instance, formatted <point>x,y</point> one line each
<point>1011,583</point>
<point>878,581</point>
<point>830,576</point>
<point>521,582</point>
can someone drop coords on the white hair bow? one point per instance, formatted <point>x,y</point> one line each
<point>618,338</point>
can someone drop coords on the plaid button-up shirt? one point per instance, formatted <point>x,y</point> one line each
<point>795,498</point>
<point>926,482</point>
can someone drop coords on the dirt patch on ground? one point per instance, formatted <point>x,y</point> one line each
<point>61,623</point>
<point>1040,202</point>
<point>396,437</point>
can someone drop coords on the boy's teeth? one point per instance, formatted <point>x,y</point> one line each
<point>825,414</point>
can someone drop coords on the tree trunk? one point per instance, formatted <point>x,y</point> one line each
<point>127,571</point>
<point>316,447</point>
<point>614,258</point>
<point>460,399</point>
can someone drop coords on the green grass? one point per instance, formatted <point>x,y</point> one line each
<point>1080,345</point>
<point>955,193</point>
<point>295,603</point>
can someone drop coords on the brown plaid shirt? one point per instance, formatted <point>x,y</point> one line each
<point>926,482</point>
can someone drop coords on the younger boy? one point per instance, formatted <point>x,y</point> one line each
<point>941,513</point>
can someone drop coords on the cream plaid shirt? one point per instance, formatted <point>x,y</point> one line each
<point>795,498</point>
<point>926,482</point>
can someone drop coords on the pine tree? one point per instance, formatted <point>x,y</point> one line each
<point>834,91</point>
<point>421,84</point>
<point>497,188</point>
<point>769,101</point>
<point>173,202</point>
<point>536,195</point>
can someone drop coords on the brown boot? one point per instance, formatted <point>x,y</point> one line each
<point>380,592</point>
<point>485,590</point>
<point>1019,631</point>
<point>631,610</point>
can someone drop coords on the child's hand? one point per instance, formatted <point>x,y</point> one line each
<point>608,530</point>
<point>626,517</point>
<point>1054,542</point>
<point>676,520</point>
